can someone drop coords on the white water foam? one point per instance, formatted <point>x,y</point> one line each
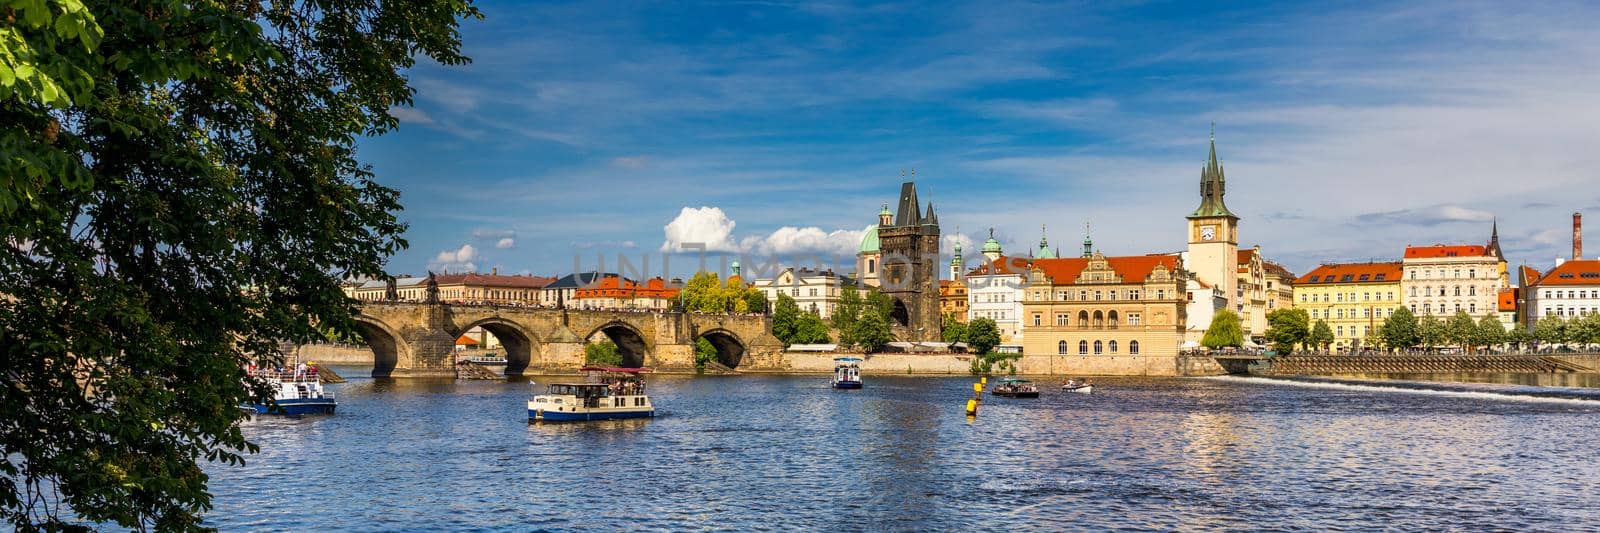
<point>1371,387</point>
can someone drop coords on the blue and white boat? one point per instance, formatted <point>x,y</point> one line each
<point>295,393</point>
<point>847,373</point>
<point>607,394</point>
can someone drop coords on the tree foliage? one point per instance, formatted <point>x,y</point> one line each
<point>1460,330</point>
<point>1431,332</point>
<point>810,329</point>
<point>603,353</point>
<point>705,292</point>
<point>1288,328</point>
<point>179,193</point>
<point>982,335</point>
<point>1490,332</point>
<point>1226,330</point>
<point>952,329</point>
<point>1321,335</point>
<point>870,332</point>
<point>1551,329</point>
<point>785,319</point>
<point>1399,330</point>
<point>704,353</point>
<point>845,315</point>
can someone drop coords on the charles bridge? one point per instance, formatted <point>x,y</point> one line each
<point>418,339</point>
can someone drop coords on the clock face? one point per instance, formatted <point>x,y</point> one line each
<point>1208,233</point>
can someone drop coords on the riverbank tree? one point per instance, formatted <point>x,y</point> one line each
<point>982,335</point>
<point>1399,329</point>
<point>1288,328</point>
<point>181,194</point>
<point>1321,335</point>
<point>1226,330</point>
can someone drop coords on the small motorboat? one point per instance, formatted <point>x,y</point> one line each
<point>1073,385</point>
<point>1015,388</point>
<point>607,394</point>
<point>847,373</point>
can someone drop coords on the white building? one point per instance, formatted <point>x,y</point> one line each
<point>815,291</point>
<point>1571,289</point>
<point>1443,279</point>
<point>994,291</point>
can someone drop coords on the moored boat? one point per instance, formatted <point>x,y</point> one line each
<point>606,394</point>
<point>1015,388</point>
<point>296,392</point>
<point>847,373</point>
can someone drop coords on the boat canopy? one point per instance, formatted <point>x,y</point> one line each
<point>617,370</point>
<point>848,359</point>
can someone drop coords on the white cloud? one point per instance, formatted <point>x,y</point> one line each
<point>700,226</point>
<point>488,234</point>
<point>505,243</point>
<point>631,162</point>
<point>458,260</point>
<point>790,240</point>
<point>411,115</point>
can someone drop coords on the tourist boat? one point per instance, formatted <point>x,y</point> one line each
<point>606,394</point>
<point>295,393</point>
<point>1015,388</point>
<point>1073,385</point>
<point>847,373</point>
<point>490,359</point>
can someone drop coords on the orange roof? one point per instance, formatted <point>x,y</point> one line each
<point>1001,266</point>
<point>466,341</point>
<point>1508,299</point>
<point>1132,268</point>
<point>1352,273</point>
<point>1530,275</point>
<point>618,287</point>
<point>1244,255</point>
<point>1441,250</point>
<point>1274,268</point>
<point>494,280</point>
<point>1580,272</point>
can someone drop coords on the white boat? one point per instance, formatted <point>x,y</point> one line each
<point>847,373</point>
<point>1073,385</point>
<point>490,359</point>
<point>295,393</point>
<point>607,394</point>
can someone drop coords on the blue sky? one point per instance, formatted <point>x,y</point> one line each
<point>1348,130</point>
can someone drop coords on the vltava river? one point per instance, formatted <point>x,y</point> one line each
<point>787,452</point>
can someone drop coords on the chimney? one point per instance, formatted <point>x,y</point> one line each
<point>1577,236</point>
<point>494,271</point>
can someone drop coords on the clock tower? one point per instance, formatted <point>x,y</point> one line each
<point>1214,233</point>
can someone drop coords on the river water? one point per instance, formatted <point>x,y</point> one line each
<point>787,452</point>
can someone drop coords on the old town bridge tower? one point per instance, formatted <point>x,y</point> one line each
<point>909,273</point>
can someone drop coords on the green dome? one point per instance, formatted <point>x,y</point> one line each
<point>869,241</point>
<point>991,245</point>
<point>1044,252</point>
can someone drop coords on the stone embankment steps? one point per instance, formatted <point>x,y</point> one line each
<point>1419,364</point>
<point>713,367</point>
<point>326,375</point>
<point>471,370</point>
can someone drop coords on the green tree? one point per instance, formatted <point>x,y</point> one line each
<point>1550,330</point>
<point>704,353</point>
<point>982,335</point>
<point>810,329</point>
<point>882,303</point>
<point>1584,330</point>
<point>1431,332</point>
<point>1460,330</point>
<point>754,301</point>
<point>704,293</point>
<point>1490,332</point>
<point>1288,328</point>
<point>1519,337</point>
<point>786,319</point>
<point>1321,335</point>
<point>952,329</point>
<point>845,315</point>
<point>603,353</point>
<point>181,193</point>
<point>1225,330</point>
<point>871,331</point>
<point>1399,330</point>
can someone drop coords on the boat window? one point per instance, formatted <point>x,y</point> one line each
<point>558,400</point>
<point>538,400</point>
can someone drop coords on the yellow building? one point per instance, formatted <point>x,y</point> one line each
<point>953,299</point>
<point>1105,306</point>
<point>1353,298</point>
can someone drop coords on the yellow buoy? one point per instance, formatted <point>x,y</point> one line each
<point>984,380</point>
<point>972,407</point>
<point>977,387</point>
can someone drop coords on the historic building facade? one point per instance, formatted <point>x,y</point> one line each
<point>1212,258</point>
<point>1280,287</point>
<point>869,257</point>
<point>1353,298</point>
<point>1569,290</point>
<point>994,291</point>
<point>817,291</point>
<point>953,299</point>
<point>1443,279</point>
<point>1105,306</point>
<point>1250,294</point>
<point>491,288</point>
<point>908,271</point>
<point>622,293</point>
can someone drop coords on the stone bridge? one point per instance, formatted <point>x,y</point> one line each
<point>418,340</point>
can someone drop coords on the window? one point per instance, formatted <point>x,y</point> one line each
<point>1472,308</point>
<point>1339,331</point>
<point>1112,346</point>
<point>1458,291</point>
<point>1473,273</point>
<point>1161,294</point>
<point>1133,319</point>
<point>1133,294</point>
<point>1472,291</point>
<point>1061,347</point>
<point>1036,319</point>
<point>1113,295</point>
<point>1083,347</point>
<point>1061,319</point>
<point>1133,347</point>
<point>1098,347</point>
<point>1097,296</point>
<point>1339,298</point>
<point>1302,298</point>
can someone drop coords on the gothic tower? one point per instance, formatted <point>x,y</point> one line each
<point>1214,233</point>
<point>909,269</point>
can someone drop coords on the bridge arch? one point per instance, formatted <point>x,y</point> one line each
<point>730,348</point>
<point>521,345</point>
<point>387,345</point>
<point>631,343</point>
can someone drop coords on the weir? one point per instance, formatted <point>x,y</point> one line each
<point>1310,365</point>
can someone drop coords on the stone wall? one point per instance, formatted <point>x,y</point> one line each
<point>1586,360</point>
<point>1034,365</point>
<point>336,354</point>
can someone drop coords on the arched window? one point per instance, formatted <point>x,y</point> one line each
<point>1133,347</point>
<point>1111,319</point>
<point>1113,346</point>
<point>872,266</point>
<point>1472,291</point>
<point>1099,319</point>
<point>1083,319</point>
<point>1097,347</point>
<point>1061,347</point>
<point>1458,291</point>
<point>1083,347</point>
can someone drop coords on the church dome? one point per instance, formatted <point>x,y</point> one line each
<point>991,245</point>
<point>869,241</point>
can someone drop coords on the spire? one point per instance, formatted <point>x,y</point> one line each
<point>932,218</point>
<point>910,212</point>
<point>1494,238</point>
<point>1088,244</point>
<point>1213,185</point>
<point>958,243</point>
<point>1044,245</point>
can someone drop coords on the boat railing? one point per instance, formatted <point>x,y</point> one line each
<point>287,376</point>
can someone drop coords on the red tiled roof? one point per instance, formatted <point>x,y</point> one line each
<point>1442,250</point>
<point>1508,299</point>
<point>1133,268</point>
<point>1244,255</point>
<point>1580,272</point>
<point>616,287</point>
<point>1274,268</point>
<point>494,280</point>
<point>1352,273</point>
<point>1003,265</point>
<point>1530,275</point>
